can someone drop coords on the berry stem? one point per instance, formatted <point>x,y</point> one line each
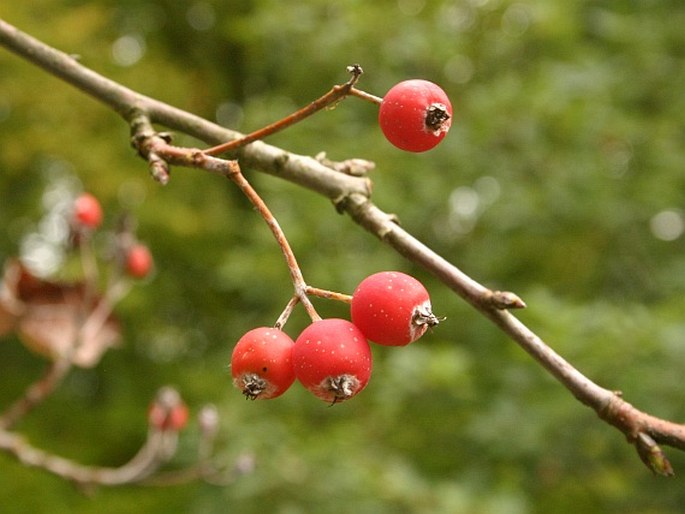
<point>365,96</point>
<point>337,93</point>
<point>310,291</point>
<point>329,295</point>
<point>283,318</point>
<point>236,175</point>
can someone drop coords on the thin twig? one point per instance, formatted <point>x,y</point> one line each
<point>366,96</point>
<point>287,311</point>
<point>150,143</point>
<point>36,393</point>
<point>329,295</point>
<point>336,94</point>
<point>293,267</point>
<point>351,194</point>
<point>156,451</point>
<point>91,321</point>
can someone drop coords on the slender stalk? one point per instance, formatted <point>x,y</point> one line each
<point>336,94</point>
<point>365,96</point>
<point>151,455</point>
<point>285,315</point>
<point>329,295</point>
<point>150,143</point>
<point>36,393</point>
<point>91,321</point>
<point>293,267</point>
<point>352,195</point>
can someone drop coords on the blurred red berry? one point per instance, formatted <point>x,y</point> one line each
<point>138,261</point>
<point>168,411</point>
<point>87,211</point>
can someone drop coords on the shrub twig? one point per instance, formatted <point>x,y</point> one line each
<point>351,195</point>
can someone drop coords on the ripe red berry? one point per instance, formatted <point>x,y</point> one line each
<point>261,363</point>
<point>415,115</point>
<point>138,261</point>
<point>87,211</point>
<point>392,308</point>
<point>332,359</point>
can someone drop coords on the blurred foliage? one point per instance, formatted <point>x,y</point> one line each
<point>562,180</point>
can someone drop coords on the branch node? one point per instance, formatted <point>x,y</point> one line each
<point>504,300</point>
<point>355,166</point>
<point>280,161</point>
<point>642,430</point>
<point>341,203</point>
<point>653,456</point>
<point>167,137</point>
<point>142,135</point>
<point>159,168</point>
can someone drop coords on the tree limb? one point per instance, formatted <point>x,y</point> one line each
<point>352,195</point>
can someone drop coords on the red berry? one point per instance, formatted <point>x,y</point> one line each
<point>415,115</point>
<point>261,363</point>
<point>87,211</point>
<point>392,308</point>
<point>168,411</point>
<point>138,261</point>
<point>332,359</point>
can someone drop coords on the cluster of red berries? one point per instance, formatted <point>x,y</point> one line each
<point>332,357</point>
<point>415,115</point>
<point>87,216</point>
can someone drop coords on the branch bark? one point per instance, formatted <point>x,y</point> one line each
<point>352,195</point>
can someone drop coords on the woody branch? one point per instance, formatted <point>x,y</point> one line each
<point>352,195</point>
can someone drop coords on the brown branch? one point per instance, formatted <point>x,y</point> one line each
<point>352,195</point>
<point>295,271</point>
<point>336,94</point>
<point>151,145</point>
<point>302,170</point>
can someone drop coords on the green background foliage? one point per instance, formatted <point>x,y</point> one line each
<point>562,180</point>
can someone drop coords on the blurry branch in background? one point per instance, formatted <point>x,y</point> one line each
<point>166,416</point>
<point>71,324</point>
<point>351,195</point>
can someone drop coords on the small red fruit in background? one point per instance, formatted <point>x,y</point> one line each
<point>168,411</point>
<point>392,308</point>
<point>138,261</point>
<point>415,115</point>
<point>332,359</point>
<point>87,211</point>
<point>261,364</point>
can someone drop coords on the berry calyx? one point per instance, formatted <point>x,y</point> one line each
<point>138,261</point>
<point>332,359</point>
<point>261,363</point>
<point>392,308</point>
<point>87,211</point>
<point>415,115</point>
